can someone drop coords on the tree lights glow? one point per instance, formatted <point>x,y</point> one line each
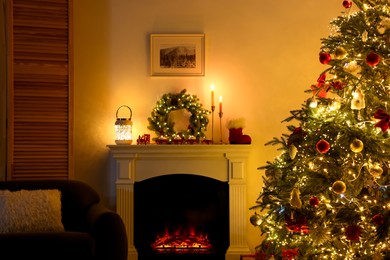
<point>327,195</point>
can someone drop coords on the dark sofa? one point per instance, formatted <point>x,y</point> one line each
<point>91,230</point>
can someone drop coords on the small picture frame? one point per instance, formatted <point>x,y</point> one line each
<point>177,54</point>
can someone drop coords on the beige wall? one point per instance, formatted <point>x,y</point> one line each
<point>260,55</point>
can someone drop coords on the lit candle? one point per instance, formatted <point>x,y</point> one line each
<point>220,104</point>
<point>212,95</point>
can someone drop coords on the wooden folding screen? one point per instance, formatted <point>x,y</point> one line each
<point>39,89</point>
<point>3,93</point>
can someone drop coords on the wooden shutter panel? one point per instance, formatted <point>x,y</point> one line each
<point>40,92</point>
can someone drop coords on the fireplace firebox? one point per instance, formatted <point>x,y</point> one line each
<point>181,216</point>
<point>135,164</point>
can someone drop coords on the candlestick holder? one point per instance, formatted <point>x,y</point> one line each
<point>220,125</point>
<point>212,123</point>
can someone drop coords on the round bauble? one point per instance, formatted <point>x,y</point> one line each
<point>314,201</point>
<point>325,57</point>
<point>340,53</point>
<point>373,59</point>
<point>356,146</point>
<point>347,3</point>
<point>378,219</point>
<point>322,146</point>
<point>312,102</point>
<point>375,170</point>
<point>255,220</point>
<point>339,187</point>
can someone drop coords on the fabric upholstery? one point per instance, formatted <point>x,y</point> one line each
<point>30,211</point>
<point>92,231</point>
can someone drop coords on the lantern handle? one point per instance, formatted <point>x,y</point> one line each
<point>131,112</point>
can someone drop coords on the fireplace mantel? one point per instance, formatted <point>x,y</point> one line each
<point>221,162</point>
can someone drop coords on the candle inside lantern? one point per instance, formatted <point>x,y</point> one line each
<point>212,95</point>
<point>220,104</point>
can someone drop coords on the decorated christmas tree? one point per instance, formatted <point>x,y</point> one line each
<point>327,195</point>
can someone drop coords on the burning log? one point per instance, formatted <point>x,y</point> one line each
<point>180,242</point>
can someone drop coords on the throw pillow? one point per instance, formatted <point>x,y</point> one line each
<point>30,211</point>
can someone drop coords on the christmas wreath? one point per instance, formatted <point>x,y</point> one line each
<point>163,126</point>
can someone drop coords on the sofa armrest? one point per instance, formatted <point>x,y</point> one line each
<point>109,232</point>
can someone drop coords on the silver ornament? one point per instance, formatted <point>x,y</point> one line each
<point>255,220</point>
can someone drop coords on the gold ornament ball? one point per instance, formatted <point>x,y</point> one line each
<point>255,220</point>
<point>357,146</point>
<point>340,53</point>
<point>375,170</point>
<point>339,187</point>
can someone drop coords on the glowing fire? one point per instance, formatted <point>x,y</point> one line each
<point>182,240</point>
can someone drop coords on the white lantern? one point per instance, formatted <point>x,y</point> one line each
<point>123,128</point>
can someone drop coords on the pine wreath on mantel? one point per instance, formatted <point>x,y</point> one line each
<point>160,123</point>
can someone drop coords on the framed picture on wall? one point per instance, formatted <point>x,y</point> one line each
<point>177,54</point>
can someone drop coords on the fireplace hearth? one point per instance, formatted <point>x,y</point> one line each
<point>220,165</point>
<point>180,215</point>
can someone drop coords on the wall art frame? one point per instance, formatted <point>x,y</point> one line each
<point>177,54</point>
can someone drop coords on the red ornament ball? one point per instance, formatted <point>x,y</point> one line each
<point>347,3</point>
<point>373,59</point>
<point>378,219</point>
<point>353,232</point>
<point>322,146</point>
<point>314,201</point>
<point>325,57</point>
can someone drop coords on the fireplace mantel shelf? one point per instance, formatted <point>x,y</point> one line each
<point>169,150</point>
<point>219,161</point>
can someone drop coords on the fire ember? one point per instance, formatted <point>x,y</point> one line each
<point>182,241</point>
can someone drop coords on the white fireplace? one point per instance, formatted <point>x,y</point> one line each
<point>222,162</point>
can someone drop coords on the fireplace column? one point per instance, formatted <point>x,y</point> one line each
<point>125,178</point>
<point>237,206</point>
<point>221,162</point>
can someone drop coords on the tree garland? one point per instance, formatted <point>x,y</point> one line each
<point>160,123</point>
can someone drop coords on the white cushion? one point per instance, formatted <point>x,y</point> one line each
<point>30,211</point>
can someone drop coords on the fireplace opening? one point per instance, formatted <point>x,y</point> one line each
<point>181,216</point>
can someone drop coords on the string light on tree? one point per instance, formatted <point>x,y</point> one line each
<point>326,196</point>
